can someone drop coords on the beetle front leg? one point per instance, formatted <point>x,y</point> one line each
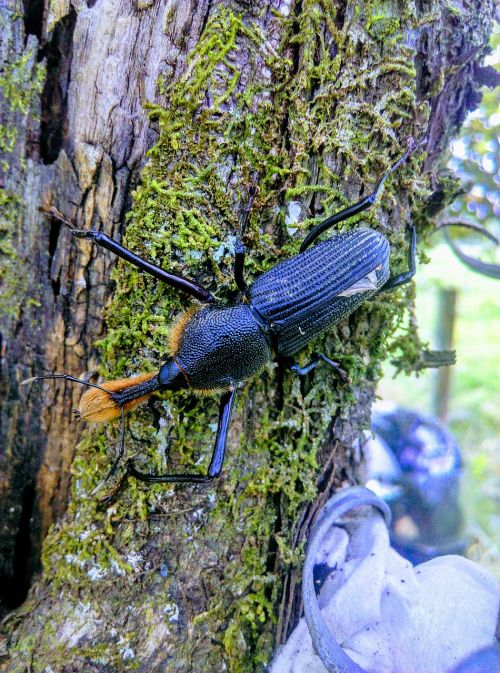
<point>406,277</point>
<point>316,359</point>
<point>215,467</point>
<point>239,248</point>
<point>239,262</point>
<point>187,285</point>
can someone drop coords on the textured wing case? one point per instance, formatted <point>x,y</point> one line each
<point>300,297</point>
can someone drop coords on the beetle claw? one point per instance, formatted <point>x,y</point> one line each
<point>83,233</point>
<point>343,375</point>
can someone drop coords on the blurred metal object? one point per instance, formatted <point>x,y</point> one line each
<point>414,464</point>
<point>486,269</point>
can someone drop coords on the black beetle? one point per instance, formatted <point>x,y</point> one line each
<point>215,348</point>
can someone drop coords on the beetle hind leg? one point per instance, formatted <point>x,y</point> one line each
<point>215,467</point>
<point>406,277</point>
<point>359,207</point>
<point>317,358</point>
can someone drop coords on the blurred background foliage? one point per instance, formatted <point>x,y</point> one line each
<point>474,401</point>
<point>476,153</point>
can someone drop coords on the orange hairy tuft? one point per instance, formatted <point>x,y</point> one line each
<point>96,405</point>
<point>208,392</point>
<point>178,327</point>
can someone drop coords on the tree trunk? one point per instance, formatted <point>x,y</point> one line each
<point>317,99</point>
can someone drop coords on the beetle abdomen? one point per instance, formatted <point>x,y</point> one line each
<point>305,295</point>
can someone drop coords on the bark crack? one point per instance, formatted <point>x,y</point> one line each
<point>58,54</point>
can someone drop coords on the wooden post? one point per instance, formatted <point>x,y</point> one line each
<point>447,303</point>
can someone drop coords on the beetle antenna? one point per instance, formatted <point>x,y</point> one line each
<point>103,402</point>
<point>77,413</point>
<point>52,211</point>
<point>109,401</point>
<point>253,190</point>
<point>66,377</point>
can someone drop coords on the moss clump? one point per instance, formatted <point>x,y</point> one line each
<point>21,83</point>
<point>312,123</point>
<point>10,274</point>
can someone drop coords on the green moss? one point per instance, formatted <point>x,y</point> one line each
<point>12,278</point>
<point>184,211</point>
<point>21,83</point>
<point>22,652</point>
<point>385,20</point>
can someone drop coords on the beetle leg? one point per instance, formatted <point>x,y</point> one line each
<point>76,413</point>
<point>215,466</point>
<point>179,282</point>
<point>239,248</point>
<point>316,359</point>
<point>119,456</point>
<point>239,261</point>
<point>403,278</point>
<point>356,208</point>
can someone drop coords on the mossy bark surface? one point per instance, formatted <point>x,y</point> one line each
<point>315,98</point>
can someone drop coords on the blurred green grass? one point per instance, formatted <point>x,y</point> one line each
<point>474,404</point>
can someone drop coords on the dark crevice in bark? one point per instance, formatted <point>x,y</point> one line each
<point>280,394</point>
<point>55,229</point>
<point>340,15</point>
<point>54,100</point>
<point>130,185</point>
<point>424,77</point>
<point>14,588</point>
<point>295,48</point>
<point>54,232</point>
<point>157,413</point>
<point>24,548</point>
<point>206,16</point>
<point>33,18</point>
<point>315,82</point>
<point>56,287</point>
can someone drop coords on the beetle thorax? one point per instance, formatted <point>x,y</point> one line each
<point>218,347</point>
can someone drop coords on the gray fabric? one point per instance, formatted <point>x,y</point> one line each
<point>391,617</point>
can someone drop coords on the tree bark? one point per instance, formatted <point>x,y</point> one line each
<point>317,99</point>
